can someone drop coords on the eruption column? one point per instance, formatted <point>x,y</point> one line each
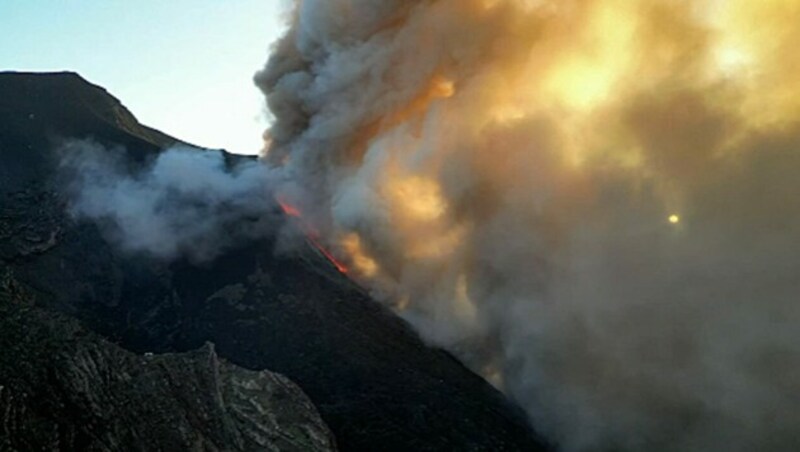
<point>514,177</point>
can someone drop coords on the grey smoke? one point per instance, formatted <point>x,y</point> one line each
<point>185,203</point>
<point>612,327</point>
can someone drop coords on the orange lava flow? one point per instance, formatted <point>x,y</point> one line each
<point>311,234</point>
<point>290,210</point>
<point>339,266</point>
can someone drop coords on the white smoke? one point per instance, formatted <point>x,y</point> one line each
<point>185,203</point>
<point>620,254</point>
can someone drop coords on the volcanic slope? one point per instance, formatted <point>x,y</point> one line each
<point>374,382</point>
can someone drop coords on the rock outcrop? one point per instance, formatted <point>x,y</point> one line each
<point>64,388</point>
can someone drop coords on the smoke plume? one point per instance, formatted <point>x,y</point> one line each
<point>187,202</point>
<point>594,203</point>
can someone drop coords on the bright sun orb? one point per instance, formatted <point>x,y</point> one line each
<point>674,219</point>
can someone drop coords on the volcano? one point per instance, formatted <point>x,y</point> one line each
<point>375,384</point>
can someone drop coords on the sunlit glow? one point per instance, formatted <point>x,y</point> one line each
<point>418,198</point>
<point>436,244</point>
<point>442,87</point>
<point>579,83</point>
<point>609,85</point>
<point>731,60</point>
<point>591,65</point>
<point>505,114</point>
<point>364,265</point>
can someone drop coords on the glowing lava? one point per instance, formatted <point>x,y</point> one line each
<point>312,234</point>
<point>289,209</point>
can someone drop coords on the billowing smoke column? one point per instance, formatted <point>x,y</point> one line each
<point>595,204</point>
<point>187,202</point>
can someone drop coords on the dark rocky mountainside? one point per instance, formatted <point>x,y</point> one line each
<point>374,382</point>
<point>39,110</point>
<point>64,388</point>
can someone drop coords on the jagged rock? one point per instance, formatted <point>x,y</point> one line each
<point>62,388</point>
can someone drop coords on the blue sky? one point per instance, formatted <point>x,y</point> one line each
<point>182,66</point>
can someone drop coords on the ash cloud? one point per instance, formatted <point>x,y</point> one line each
<point>503,174</point>
<point>186,202</point>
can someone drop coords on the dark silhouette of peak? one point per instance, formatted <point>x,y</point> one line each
<point>66,103</point>
<point>375,383</point>
<point>39,111</point>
